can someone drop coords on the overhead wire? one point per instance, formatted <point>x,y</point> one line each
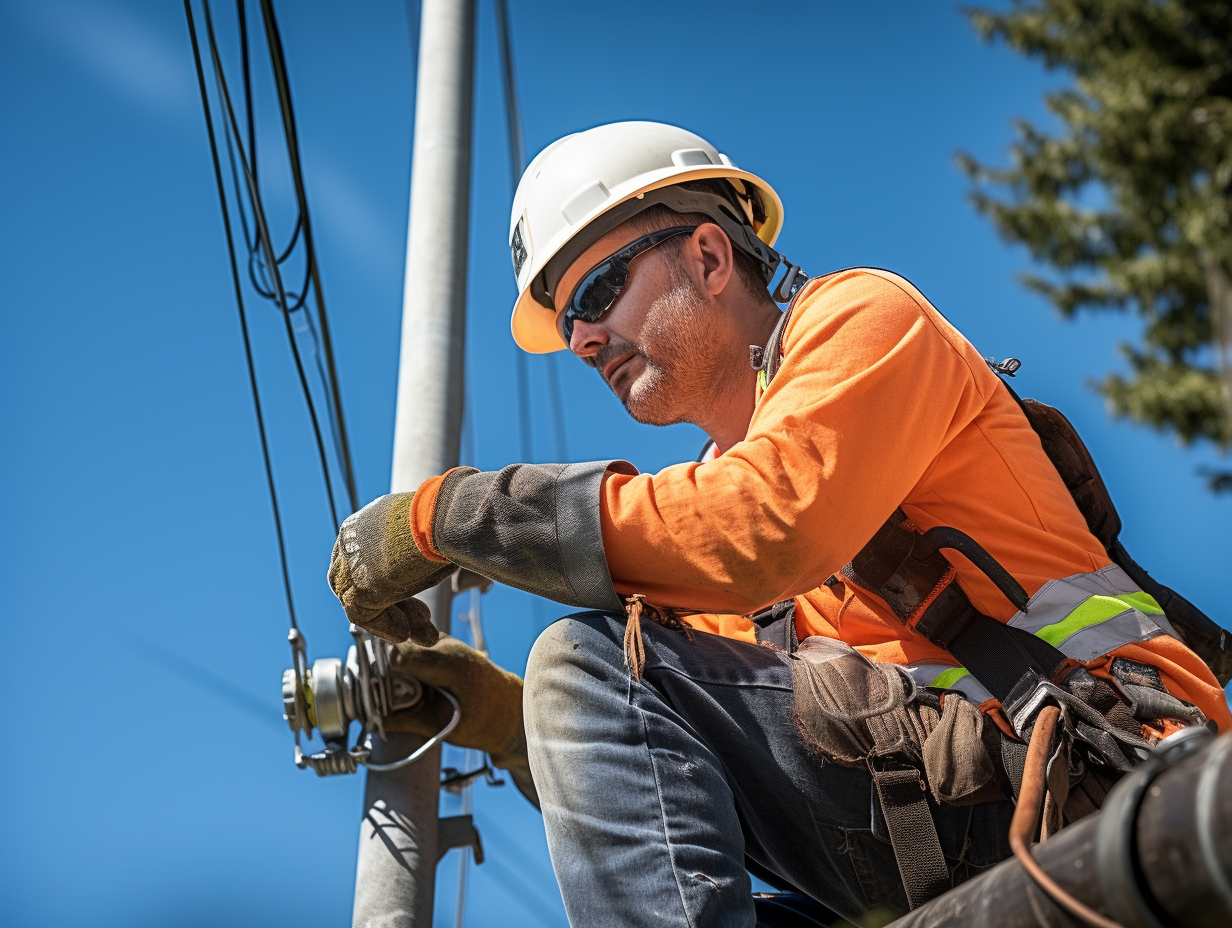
<point>278,59</point>
<point>517,154</point>
<point>517,164</point>
<point>239,301</point>
<point>265,260</point>
<point>266,243</point>
<point>265,277</point>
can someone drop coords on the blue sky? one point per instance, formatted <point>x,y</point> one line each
<point>148,777</point>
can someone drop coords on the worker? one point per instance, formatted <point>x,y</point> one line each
<point>757,682</point>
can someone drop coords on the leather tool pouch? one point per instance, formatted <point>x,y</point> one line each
<point>858,713</point>
<point>861,714</point>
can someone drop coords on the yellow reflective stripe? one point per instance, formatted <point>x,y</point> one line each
<point>1143,602</point>
<point>1096,609</point>
<point>946,680</point>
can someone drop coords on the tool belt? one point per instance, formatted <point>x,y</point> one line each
<point>858,713</point>
<point>914,741</point>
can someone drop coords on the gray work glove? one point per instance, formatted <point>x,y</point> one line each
<point>490,699</point>
<point>376,569</point>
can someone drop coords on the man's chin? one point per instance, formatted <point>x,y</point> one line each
<point>650,405</point>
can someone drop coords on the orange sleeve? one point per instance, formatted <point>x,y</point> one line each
<point>869,391</point>
<point>423,511</point>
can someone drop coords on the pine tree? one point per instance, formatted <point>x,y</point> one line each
<point>1131,204</point>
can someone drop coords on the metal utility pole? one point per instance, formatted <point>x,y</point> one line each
<point>398,842</point>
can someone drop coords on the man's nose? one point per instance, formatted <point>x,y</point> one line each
<point>587,339</point>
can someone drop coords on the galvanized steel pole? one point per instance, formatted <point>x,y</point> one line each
<point>396,870</point>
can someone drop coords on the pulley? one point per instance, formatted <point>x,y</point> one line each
<point>332,694</point>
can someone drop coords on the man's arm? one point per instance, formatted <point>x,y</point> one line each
<point>873,385</point>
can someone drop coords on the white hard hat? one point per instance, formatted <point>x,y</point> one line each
<point>597,179</point>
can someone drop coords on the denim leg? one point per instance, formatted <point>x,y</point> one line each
<point>655,792</point>
<point>641,824</point>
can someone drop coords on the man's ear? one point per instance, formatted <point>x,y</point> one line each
<point>711,249</point>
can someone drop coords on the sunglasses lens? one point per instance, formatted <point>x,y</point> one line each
<point>598,291</point>
<point>594,296</point>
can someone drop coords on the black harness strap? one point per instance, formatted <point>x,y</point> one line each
<point>913,834</point>
<point>908,571</point>
<point>776,626</point>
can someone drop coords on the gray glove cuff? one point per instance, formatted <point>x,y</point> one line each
<point>534,527</point>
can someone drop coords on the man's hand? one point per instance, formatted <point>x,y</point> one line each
<point>376,569</point>
<point>490,698</point>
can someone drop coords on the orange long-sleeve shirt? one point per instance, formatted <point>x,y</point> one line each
<point>879,403</point>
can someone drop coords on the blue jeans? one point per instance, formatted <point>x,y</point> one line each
<point>657,794</point>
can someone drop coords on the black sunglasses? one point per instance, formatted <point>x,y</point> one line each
<point>601,285</point>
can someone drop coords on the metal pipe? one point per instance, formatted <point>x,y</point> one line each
<point>1174,832</point>
<point>396,870</point>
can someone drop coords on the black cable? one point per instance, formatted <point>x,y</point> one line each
<point>249,110</point>
<point>259,263</point>
<point>513,116</point>
<point>263,237</point>
<point>412,28</point>
<point>288,124</point>
<point>517,154</point>
<point>239,301</point>
<point>517,163</point>
<point>524,421</point>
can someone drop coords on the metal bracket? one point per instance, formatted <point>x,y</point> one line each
<point>458,831</point>
<point>1007,368</point>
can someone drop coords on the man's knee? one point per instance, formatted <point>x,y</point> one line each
<point>583,637</point>
<point>572,658</point>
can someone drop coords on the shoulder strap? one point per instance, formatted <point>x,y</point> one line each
<point>773,356</point>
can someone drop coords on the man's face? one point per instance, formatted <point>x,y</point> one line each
<point>655,348</point>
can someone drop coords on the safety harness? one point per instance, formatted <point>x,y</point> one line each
<point>1032,661</point>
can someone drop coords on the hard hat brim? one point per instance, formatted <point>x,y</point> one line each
<point>534,325</point>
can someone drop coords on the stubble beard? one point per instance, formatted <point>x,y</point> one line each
<point>684,361</point>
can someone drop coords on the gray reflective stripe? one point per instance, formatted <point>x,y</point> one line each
<point>1055,613</point>
<point>950,677</point>
<point>580,533</point>
<point>1128,627</point>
